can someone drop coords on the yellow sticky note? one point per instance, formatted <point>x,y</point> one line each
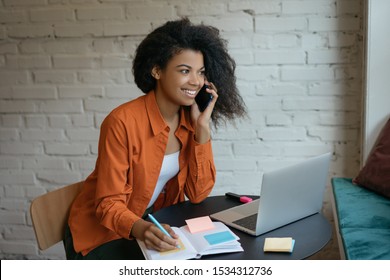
<point>278,244</point>
<point>199,224</point>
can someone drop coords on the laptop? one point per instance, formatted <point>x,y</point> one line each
<point>287,195</point>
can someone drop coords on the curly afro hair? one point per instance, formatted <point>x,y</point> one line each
<point>174,36</point>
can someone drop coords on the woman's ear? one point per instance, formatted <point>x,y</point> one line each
<point>155,72</point>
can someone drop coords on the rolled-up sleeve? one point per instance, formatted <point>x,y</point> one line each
<point>202,173</point>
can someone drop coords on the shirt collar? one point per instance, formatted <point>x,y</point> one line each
<point>157,121</point>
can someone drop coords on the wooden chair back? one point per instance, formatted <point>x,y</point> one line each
<point>50,212</point>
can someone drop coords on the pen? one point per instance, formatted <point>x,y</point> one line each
<point>153,219</point>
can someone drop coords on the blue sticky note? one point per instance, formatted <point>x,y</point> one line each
<point>292,245</point>
<point>219,237</point>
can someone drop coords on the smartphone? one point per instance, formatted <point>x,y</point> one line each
<point>203,98</point>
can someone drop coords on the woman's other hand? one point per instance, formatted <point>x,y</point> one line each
<point>153,237</point>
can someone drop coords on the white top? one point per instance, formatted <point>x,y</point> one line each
<point>169,168</point>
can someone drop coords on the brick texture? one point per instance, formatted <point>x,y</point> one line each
<point>65,64</point>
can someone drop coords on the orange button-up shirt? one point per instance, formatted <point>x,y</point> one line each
<point>133,139</point>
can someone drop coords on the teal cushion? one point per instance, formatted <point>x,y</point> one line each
<point>359,207</point>
<point>364,221</point>
<point>366,243</point>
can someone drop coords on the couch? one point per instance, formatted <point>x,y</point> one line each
<point>362,219</point>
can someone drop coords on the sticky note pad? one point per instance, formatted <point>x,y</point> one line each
<point>279,244</point>
<point>200,224</point>
<point>219,237</point>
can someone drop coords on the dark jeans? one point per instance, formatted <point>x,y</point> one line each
<point>120,249</point>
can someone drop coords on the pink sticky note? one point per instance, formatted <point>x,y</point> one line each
<point>199,224</point>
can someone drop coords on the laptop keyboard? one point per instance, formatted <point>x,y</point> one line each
<point>247,222</point>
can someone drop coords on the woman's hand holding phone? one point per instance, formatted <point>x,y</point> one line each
<point>202,118</point>
<point>203,98</point>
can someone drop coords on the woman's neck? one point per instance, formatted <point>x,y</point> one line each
<point>168,110</point>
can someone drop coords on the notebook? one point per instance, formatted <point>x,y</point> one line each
<point>218,240</point>
<point>287,195</point>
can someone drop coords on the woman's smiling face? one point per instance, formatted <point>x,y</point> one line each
<point>180,81</point>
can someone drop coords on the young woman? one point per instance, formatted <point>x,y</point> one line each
<point>156,150</point>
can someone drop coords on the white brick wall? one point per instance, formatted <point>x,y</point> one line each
<point>65,64</point>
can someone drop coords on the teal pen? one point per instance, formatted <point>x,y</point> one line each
<point>153,219</point>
